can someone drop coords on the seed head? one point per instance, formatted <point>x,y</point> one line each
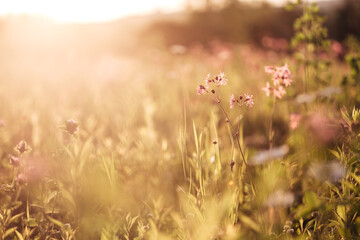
<point>232,163</point>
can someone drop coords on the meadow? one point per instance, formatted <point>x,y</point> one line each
<point>147,145</point>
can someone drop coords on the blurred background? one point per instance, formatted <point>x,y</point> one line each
<point>105,38</point>
<point>127,73</point>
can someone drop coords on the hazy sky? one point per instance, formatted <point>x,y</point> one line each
<point>92,10</point>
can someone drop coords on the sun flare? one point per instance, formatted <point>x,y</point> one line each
<point>87,11</point>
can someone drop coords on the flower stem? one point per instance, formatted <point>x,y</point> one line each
<point>236,134</point>
<point>271,135</point>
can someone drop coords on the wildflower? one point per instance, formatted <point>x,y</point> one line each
<point>221,80</point>
<point>246,100</point>
<point>71,126</point>
<point>279,92</point>
<point>267,89</point>
<point>201,90</point>
<point>281,78</point>
<point>207,81</point>
<point>232,100</point>
<point>294,120</point>
<point>15,161</point>
<point>269,69</point>
<point>249,101</point>
<point>23,147</point>
<point>285,75</point>
<point>287,82</point>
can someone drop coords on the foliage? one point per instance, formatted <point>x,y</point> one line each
<point>137,154</point>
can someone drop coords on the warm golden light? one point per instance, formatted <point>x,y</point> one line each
<point>87,11</point>
<point>98,11</point>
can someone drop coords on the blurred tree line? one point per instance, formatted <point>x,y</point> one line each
<point>241,22</point>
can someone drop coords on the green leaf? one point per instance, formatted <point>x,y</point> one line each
<point>311,199</point>
<point>341,211</point>
<point>335,153</point>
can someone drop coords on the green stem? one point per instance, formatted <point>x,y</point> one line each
<point>271,135</point>
<point>233,129</point>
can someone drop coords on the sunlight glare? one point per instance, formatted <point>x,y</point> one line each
<point>85,10</point>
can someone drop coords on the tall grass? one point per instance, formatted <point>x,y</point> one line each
<point>147,158</point>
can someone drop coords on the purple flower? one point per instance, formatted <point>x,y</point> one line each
<point>23,147</point>
<point>71,126</point>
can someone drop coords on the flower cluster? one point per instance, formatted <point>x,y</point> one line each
<point>246,100</point>
<point>281,77</point>
<point>218,80</point>
<point>22,147</point>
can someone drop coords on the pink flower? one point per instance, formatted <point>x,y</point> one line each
<point>269,69</point>
<point>287,82</point>
<point>232,100</point>
<point>294,120</point>
<point>249,101</point>
<point>201,90</point>
<point>15,161</point>
<point>279,92</point>
<point>207,81</point>
<point>267,89</point>
<point>276,79</point>
<point>71,126</point>
<point>285,75</point>
<point>281,78</point>
<point>221,80</point>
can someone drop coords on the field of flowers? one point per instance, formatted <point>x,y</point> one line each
<point>220,142</point>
